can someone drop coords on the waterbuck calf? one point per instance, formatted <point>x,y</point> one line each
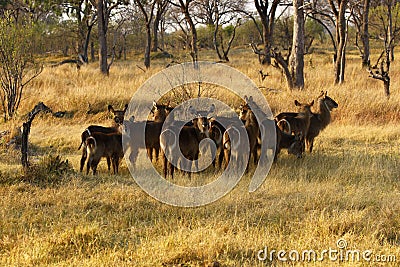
<point>293,143</point>
<point>100,145</point>
<point>117,124</point>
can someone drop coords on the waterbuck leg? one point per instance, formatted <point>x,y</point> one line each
<point>157,152</point>
<point>310,144</point>
<point>83,159</point>
<point>150,153</point>
<point>220,157</point>
<point>165,165</point>
<point>255,155</point>
<point>171,169</point>
<point>109,164</point>
<point>94,166</point>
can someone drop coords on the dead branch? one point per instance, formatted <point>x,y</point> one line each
<point>26,128</point>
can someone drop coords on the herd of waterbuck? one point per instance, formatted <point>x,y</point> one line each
<point>295,131</point>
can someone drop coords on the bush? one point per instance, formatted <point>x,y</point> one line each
<point>50,170</point>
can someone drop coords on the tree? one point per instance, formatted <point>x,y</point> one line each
<point>147,9</point>
<point>339,10</point>
<point>296,59</point>
<point>84,16</point>
<point>332,15</point>
<point>384,22</point>
<point>216,14</point>
<point>185,9</point>
<point>104,11</point>
<point>161,8</point>
<point>17,65</point>
<point>267,16</point>
<point>360,18</point>
<point>381,69</point>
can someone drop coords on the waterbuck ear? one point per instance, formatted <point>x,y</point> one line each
<point>297,103</point>
<point>193,110</point>
<point>126,107</point>
<point>312,103</point>
<point>110,109</point>
<point>246,100</point>
<point>250,99</point>
<point>212,109</point>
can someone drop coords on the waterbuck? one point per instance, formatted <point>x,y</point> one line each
<point>100,145</point>
<point>153,129</point>
<point>252,127</point>
<point>187,142</point>
<point>299,123</point>
<point>234,146</point>
<point>150,138</point>
<point>117,124</point>
<point>318,121</point>
<point>293,143</point>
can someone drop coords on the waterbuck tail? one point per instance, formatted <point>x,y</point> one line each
<point>284,125</point>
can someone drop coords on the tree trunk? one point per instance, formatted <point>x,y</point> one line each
<point>390,30</point>
<point>215,42</point>
<point>92,56</point>
<point>124,47</point>
<point>156,24</point>
<point>148,45</point>
<point>266,60</point>
<point>365,34</point>
<point>86,44</point>
<point>340,57</point>
<point>193,42</point>
<point>102,32</point>
<point>297,55</point>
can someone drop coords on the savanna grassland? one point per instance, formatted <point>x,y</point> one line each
<point>348,188</point>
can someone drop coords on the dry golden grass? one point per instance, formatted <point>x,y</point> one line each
<point>349,188</point>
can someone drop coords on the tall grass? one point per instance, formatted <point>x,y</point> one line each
<point>348,188</point>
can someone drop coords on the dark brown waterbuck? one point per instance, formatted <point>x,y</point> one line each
<point>115,128</point>
<point>293,143</point>
<point>252,127</point>
<point>319,120</point>
<point>100,145</point>
<point>146,134</point>
<point>299,123</point>
<point>187,142</point>
<point>235,147</point>
<point>153,129</point>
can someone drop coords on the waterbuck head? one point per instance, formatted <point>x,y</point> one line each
<point>328,102</point>
<point>297,147</point>
<point>118,114</point>
<point>245,113</point>
<point>201,120</point>
<point>304,108</point>
<point>160,112</point>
